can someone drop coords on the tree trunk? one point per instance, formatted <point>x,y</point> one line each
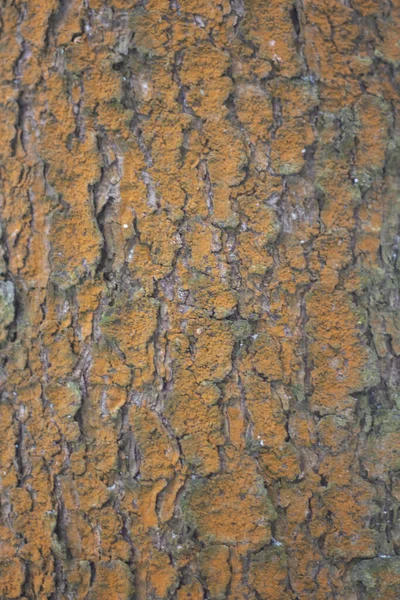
<point>199,300</point>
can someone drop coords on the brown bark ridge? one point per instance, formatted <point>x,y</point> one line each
<point>199,300</point>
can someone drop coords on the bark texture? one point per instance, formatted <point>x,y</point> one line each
<point>199,300</point>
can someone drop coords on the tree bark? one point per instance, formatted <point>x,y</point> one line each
<point>199,300</point>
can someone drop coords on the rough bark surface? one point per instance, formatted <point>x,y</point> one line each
<point>199,300</point>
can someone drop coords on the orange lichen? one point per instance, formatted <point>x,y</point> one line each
<point>232,508</point>
<point>199,338</point>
